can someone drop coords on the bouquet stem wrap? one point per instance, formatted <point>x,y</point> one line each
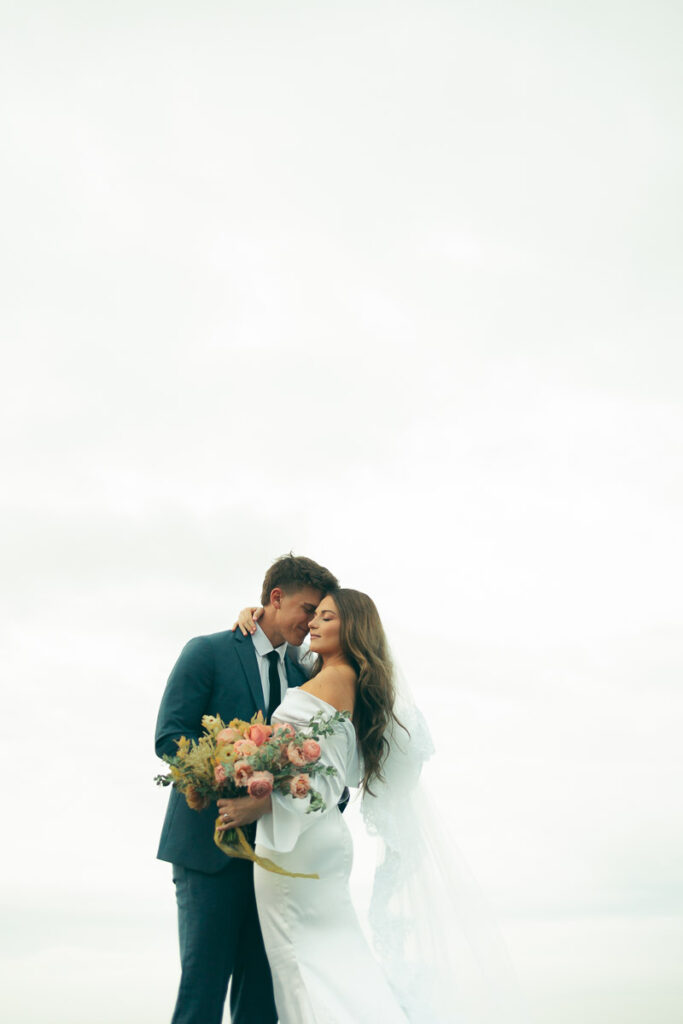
<point>234,843</point>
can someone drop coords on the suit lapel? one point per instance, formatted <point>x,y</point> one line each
<point>247,656</point>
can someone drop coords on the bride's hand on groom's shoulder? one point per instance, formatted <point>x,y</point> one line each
<point>242,810</point>
<point>248,618</point>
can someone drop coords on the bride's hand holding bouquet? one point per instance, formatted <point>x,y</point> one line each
<point>240,765</point>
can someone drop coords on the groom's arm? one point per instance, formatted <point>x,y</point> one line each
<point>186,696</point>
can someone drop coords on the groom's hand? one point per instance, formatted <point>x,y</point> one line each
<point>242,810</point>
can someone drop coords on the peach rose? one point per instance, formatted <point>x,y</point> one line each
<point>284,730</point>
<point>219,774</point>
<point>311,750</point>
<point>259,733</point>
<point>299,785</point>
<point>295,755</point>
<point>245,747</point>
<point>260,784</point>
<point>228,736</point>
<point>243,772</point>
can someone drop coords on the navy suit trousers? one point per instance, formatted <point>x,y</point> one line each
<point>220,937</point>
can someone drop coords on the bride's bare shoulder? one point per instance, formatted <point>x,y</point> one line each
<point>336,685</point>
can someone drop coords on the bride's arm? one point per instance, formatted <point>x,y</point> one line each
<point>289,817</point>
<point>336,686</point>
<point>247,619</point>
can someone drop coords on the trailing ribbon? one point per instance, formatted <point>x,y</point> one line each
<point>234,843</point>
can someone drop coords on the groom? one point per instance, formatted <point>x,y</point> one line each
<point>230,675</point>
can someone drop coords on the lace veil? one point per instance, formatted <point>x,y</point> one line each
<point>431,929</point>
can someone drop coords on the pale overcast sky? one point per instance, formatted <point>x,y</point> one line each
<point>396,286</point>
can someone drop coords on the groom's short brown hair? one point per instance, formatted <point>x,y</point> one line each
<point>294,572</point>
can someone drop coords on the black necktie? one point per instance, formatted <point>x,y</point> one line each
<point>274,680</point>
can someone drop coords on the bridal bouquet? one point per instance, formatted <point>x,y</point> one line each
<point>249,758</point>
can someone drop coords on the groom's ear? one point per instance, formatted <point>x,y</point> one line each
<point>275,597</point>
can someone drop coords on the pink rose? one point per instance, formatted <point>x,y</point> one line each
<point>299,785</point>
<point>295,755</point>
<point>285,730</point>
<point>227,736</point>
<point>311,750</point>
<point>259,733</point>
<point>243,772</point>
<point>243,748</point>
<point>219,774</point>
<point>260,784</point>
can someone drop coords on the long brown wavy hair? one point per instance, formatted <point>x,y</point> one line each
<point>365,647</point>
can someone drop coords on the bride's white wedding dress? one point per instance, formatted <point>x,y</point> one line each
<point>323,969</point>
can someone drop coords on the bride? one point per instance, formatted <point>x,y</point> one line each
<point>323,969</point>
<point>312,936</point>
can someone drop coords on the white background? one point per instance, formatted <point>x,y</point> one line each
<point>396,286</point>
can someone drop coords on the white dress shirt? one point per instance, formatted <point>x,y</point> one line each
<point>263,646</point>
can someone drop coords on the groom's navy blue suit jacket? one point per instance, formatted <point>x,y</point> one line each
<point>214,675</point>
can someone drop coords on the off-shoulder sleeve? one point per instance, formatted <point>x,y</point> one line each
<point>280,829</point>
